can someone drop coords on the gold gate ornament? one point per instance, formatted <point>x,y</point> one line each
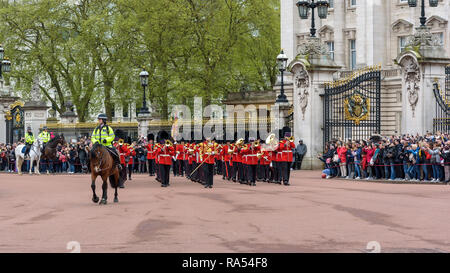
<point>357,108</point>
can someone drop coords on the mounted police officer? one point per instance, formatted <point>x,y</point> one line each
<point>29,140</point>
<point>44,136</point>
<point>104,135</point>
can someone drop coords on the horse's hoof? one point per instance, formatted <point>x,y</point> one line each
<point>116,200</point>
<point>103,202</point>
<point>95,200</point>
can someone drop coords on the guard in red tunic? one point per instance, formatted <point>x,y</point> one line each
<point>165,154</point>
<point>180,151</point>
<point>226,156</point>
<point>285,156</point>
<point>123,152</point>
<point>129,159</point>
<point>150,157</point>
<point>251,154</point>
<point>208,164</point>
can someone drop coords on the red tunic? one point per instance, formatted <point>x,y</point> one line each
<point>165,155</point>
<point>123,152</point>
<point>284,150</point>
<point>151,152</point>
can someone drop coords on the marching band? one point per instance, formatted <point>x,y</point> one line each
<point>240,162</point>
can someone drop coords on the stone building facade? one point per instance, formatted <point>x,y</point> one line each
<point>364,33</point>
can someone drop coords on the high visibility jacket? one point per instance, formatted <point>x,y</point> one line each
<point>29,138</point>
<point>44,136</point>
<point>103,135</point>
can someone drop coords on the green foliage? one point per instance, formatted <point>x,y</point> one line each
<point>92,51</point>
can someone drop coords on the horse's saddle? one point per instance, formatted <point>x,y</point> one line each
<point>24,149</point>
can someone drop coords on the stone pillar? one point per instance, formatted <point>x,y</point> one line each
<point>311,70</point>
<point>144,123</point>
<point>423,63</point>
<point>35,115</point>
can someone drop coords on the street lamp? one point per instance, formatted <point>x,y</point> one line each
<point>322,10</point>
<point>282,65</point>
<point>423,19</point>
<point>5,64</point>
<point>144,82</point>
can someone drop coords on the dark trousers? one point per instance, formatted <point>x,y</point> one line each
<point>285,171</point>
<point>208,171</point>
<point>189,169</point>
<point>251,173</point>
<point>130,170</point>
<point>123,172</point>
<point>165,173</point>
<point>151,169</point>
<point>179,166</point>
<point>219,168</point>
<point>264,172</point>
<point>234,171</point>
<point>277,171</point>
<point>240,167</point>
<point>298,161</point>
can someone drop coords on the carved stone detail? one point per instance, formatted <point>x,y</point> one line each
<point>411,76</point>
<point>302,89</point>
<point>313,46</point>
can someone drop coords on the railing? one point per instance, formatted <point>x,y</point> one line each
<point>441,123</point>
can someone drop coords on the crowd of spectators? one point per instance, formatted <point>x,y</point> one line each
<point>70,159</point>
<point>401,158</point>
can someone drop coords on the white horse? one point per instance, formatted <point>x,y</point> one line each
<point>35,155</point>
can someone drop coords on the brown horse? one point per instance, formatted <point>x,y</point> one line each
<point>50,148</point>
<point>102,164</point>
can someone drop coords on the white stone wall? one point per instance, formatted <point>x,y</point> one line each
<point>376,25</point>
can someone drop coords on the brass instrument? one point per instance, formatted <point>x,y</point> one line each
<point>271,139</point>
<point>168,143</point>
<point>121,142</point>
<point>291,138</point>
<point>257,143</point>
<point>240,142</point>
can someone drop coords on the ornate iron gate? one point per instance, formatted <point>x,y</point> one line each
<point>352,106</point>
<point>441,122</point>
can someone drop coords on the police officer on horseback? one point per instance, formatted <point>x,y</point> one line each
<point>29,140</point>
<point>104,135</point>
<point>44,136</point>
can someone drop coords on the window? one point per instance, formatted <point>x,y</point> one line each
<point>113,110</point>
<point>331,49</point>
<point>401,44</point>
<point>352,55</point>
<point>440,38</point>
<point>352,3</point>
<point>125,110</point>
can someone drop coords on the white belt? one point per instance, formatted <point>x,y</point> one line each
<point>252,155</point>
<point>164,155</point>
<point>286,151</point>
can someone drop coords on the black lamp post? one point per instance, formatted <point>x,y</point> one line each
<point>282,65</point>
<point>144,82</point>
<point>5,64</point>
<point>322,10</point>
<point>423,19</point>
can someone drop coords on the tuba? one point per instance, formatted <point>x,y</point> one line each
<point>271,140</point>
<point>240,142</point>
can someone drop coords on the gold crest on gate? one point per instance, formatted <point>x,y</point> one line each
<point>357,108</point>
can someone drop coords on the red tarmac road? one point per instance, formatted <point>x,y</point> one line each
<point>43,213</point>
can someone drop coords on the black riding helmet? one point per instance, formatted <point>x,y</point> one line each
<point>102,117</point>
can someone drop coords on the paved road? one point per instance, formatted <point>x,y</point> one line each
<point>43,213</point>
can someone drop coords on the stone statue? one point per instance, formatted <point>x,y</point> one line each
<point>302,87</point>
<point>412,80</point>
